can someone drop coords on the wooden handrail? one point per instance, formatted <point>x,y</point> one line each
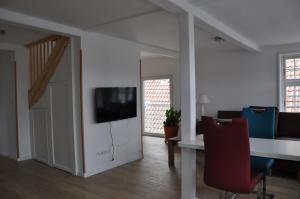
<point>49,38</point>
<point>44,56</point>
<point>39,53</point>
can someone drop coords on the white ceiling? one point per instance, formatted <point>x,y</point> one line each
<point>80,13</point>
<point>19,35</point>
<point>266,22</point>
<point>204,41</point>
<point>159,29</point>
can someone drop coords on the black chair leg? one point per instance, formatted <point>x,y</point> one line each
<point>266,195</point>
<point>264,191</point>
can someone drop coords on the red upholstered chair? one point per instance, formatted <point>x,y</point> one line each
<point>227,157</point>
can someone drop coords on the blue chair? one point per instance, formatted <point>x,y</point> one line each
<point>261,125</point>
<point>261,122</point>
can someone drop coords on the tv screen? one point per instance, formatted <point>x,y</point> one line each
<point>115,103</point>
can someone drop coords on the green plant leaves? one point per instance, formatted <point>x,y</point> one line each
<point>173,117</point>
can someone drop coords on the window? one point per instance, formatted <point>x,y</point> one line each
<point>290,82</point>
<point>157,99</point>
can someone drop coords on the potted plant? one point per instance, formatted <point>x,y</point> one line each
<point>171,124</point>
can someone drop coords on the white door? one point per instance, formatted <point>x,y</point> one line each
<point>40,126</point>
<point>60,132</point>
<point>157,99</point>
<point>51,138</point>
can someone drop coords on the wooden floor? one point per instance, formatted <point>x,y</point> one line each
<point>149,178</point>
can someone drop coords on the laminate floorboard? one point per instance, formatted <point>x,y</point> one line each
<point>148,178</point>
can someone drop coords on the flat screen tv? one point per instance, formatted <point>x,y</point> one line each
<point>115,103</point>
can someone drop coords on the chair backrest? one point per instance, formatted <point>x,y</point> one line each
<point>276,114</point>
<point>288,125</point>
<point>261,123</point>
<point>229,114</point>
<point>227,155</point>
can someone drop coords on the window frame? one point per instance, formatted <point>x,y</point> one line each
<point>282,83</point>
<point>159,77</point>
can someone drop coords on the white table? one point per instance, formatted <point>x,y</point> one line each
<point>270,148</point>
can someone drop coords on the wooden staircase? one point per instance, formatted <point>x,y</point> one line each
<point>44,57</point>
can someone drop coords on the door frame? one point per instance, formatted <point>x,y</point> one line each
<point>158,77</point>
<point>16,108</point>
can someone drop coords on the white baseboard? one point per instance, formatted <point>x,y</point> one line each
<point>92,172</point>
<point>4,154</point>
<point>102,169</point>
<point>80,174</point>
<point>24,157</point>
<point>8,156</point>
<point>61,167</point>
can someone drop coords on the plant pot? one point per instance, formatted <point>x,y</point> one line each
<point>170,132</point>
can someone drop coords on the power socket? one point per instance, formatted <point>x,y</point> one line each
<point>102,153</point>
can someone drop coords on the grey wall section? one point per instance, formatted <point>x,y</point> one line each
<point>164,66</point>
<point>21,57</point>
<point>235,79</point>
<point>8,143</point>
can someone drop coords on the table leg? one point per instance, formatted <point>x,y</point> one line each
<point>171,153</point>
<point>299,181</point>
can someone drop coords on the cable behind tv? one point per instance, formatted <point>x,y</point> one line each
<point>112,142</point>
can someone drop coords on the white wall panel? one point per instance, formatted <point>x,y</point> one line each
<point>60,128</point>
<point>40,134</point>
<point>21,58</point>
<point>8,145</point>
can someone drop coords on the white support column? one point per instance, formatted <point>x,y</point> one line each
<point>188,104</point>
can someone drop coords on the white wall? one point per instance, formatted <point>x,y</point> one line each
<point>75,115</point>
<point>21,58</point>
<point>235,79</point>
<point>164,66</point>
<point>8,144</point>
<point>109,62</point>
